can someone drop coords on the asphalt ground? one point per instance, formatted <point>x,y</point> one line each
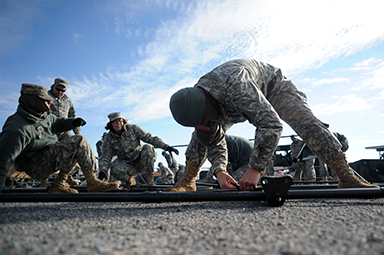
<point>300,226</point>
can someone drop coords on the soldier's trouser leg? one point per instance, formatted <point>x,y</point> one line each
<point>291,105</point>
<point>310,169</point>
<point>146,162</point>
<point>299,167</point>
<point>123,170</point>
<point>64,155</point>
<point>323,171</point>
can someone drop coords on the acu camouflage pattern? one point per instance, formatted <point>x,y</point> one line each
<point>171,161</point>
<point>167,177</point>
<point>132,156</point>
<point>64,156</point>
<point>323,168</point>
<point>306,167</point>
<point>251,90</point>
<point>63,108</point>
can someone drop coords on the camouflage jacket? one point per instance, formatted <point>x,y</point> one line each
<point>295,148</point>
<point>166,175</point>
<point>242,88</point>
<point>63,108</point>
<point>128,145</point>
<point>24,137</point>
<point>171,161</point>
<point>239,151</point>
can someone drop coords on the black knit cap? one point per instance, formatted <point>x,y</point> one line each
<point>188,106</point>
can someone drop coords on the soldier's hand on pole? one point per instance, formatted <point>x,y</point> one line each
<point>224,178</point>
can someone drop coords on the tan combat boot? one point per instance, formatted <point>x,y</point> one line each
<point>347,178</point>
<point>150,181</point>
<point>72,181</point>
<point>96,185</point>
<point>187,181</point>
<point>59,185</point>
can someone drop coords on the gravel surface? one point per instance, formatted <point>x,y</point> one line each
<point>301,226</point>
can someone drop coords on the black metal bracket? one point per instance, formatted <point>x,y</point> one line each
<point>276,188</point>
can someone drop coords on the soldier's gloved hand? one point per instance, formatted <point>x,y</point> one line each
<point>102,176</point>
<point>171,149</point>
<point>78,122</point>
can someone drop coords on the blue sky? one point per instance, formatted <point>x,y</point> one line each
<point>131,56</point>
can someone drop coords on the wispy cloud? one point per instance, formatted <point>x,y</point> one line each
<point>76,36</point>
<point>274,32</point>
<point>349,103</point>
<point>321,82</point>
<point>293,35</point>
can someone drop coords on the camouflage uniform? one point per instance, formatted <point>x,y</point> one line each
<point>167,177</point>
<point>31,144</point>
<point>171,161</point>
<point>251,90</point>
<point>323,168</point>
<point>307,166</point>
<point>63,108</point>
<point>132,156</point>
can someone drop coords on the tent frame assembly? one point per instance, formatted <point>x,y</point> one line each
<point>275,190</point>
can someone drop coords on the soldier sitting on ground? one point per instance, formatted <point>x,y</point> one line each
<point>29,141</point>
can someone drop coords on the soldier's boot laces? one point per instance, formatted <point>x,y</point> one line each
<point>150,180</point>
<point>347,179</point>
<point>60,186</point>
<point>96,185</point>
<point>188,180</point>
<point>72,181</point>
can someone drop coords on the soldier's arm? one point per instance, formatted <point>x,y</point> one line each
<point>72,114</point>
<point>147,137</point>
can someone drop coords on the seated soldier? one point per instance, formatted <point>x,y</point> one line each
<point>29,141</point>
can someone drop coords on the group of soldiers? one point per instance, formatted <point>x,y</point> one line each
<point>239,90</point>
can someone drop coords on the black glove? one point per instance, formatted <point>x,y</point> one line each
<point>294,160</point>
<point>102,176</point>
<point>171,149</point>
<point>78,122</point>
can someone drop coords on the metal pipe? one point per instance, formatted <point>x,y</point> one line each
<point>160,196</point>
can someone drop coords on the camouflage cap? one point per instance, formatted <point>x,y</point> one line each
<point>188,106</point>
<point>33,89</point>
<point>115,115</point>
<point>60,81</point>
